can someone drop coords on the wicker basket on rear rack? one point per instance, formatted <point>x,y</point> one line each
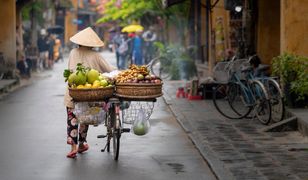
<point>139,96</point>
<point>139,90</point>
<point>91,94</point>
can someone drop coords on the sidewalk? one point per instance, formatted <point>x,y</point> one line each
<point>238,149</point>
<point>9,85</point>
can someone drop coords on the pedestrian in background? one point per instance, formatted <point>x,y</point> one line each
<point>43,50</point>
<point>124,51</point>
<point>116,41</point>
<point>149,37</point>
<point>86,39</point>
<point>137,48</point>
<point>51,44</point>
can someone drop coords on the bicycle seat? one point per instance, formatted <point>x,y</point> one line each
<point>246,68</point>
<point>263,67</point>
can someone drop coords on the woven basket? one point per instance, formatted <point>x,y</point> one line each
<point>139,90</point>
<point>91,94</point>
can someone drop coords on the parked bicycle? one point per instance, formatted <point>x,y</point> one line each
<point>160,67</point>
<point>272,86</point>
<point>241,93</point>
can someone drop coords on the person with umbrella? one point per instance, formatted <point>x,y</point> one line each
<point>137,48</point>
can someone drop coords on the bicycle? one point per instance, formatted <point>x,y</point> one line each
<point>160,67</point>
<point>240,96</point>
<point>115,118</point>
<point>274,91</point>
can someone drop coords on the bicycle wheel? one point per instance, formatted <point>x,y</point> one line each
<point>159,69</point>
<point>276,99</point>
<point>116,137</point>
<point>262,107</point>
<point>227,100</point>
<point>115,132</point>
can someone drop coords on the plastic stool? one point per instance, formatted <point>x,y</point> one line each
<point>180,93</point>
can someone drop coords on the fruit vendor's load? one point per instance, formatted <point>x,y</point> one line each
<point>137,74</point>
<point>86,78</point>
<point>137,83</point>
<point>141,125</point>
<point>86,84</point>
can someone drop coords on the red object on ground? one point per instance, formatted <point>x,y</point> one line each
<point>180,93</point>
<point>197,97</point>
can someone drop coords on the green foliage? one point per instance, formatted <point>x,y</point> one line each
<point>128,11</point>
<point>36,7</point>
<point>178,60</point>
<point>293,70</point>
<point>26,10</point>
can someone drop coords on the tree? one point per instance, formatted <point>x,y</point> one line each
<point>132,10</point>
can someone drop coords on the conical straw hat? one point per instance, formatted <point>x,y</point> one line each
<point>87,37</point>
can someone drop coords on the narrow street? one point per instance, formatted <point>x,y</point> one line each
<point>33,141</point>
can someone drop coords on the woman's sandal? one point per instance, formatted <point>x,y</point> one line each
<point>72,154</point>
<point>85,148</point>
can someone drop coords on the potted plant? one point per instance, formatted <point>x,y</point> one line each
<point>180,63</point>
<point>293,73</point>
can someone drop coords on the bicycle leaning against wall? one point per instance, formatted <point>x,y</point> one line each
<point>272,86</point>
<point>239,93</point>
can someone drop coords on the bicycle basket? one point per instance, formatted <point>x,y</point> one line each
<point>237,65</point>
<point>130,114</point>
<point>220,72</point>
<point>90,113</point>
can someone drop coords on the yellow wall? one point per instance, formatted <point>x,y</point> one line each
<point>268,30</point>
<point>70,28</point>
<point>294,26</point>
<point>7,30</point>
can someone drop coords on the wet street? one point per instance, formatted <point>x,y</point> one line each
<point>33,141</point>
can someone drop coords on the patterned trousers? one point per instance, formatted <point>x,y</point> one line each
<point>73,135</point>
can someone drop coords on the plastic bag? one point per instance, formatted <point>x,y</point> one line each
<point>141,125</point>
<point>90,113</point>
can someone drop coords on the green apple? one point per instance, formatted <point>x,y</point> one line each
<point>104,83</point>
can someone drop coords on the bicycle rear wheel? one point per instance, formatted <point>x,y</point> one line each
<point>116,132</point>
<point>227,100</point>
<point>276,99</point>
<point>262,108</point>
<point>116,143</point>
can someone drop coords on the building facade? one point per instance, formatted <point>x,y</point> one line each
<point>267,28</point>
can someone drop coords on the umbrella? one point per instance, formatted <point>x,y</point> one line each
<point>55,29</point>
<point>132,28</point>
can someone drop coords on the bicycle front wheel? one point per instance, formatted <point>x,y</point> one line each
<point>228,102</point>
<point>262,107</point>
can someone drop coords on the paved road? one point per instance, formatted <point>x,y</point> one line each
<point>33,141</point>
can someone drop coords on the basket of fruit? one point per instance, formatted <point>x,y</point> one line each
<point>87,84</point>
<point>137,83</point>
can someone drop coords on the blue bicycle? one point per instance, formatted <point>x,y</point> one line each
<point>242,94</point>
<point>272,86</point>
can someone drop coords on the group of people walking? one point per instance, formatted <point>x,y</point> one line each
<point>134,48</point>
<point>40,56</point>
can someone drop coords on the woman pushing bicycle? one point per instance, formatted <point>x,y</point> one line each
<point>86,40</point>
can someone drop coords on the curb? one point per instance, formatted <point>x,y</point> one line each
<point>7,86</point>
<point>217,167</point>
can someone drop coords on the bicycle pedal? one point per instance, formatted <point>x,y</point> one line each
<point>101,136</point>
<point>126,130</point>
